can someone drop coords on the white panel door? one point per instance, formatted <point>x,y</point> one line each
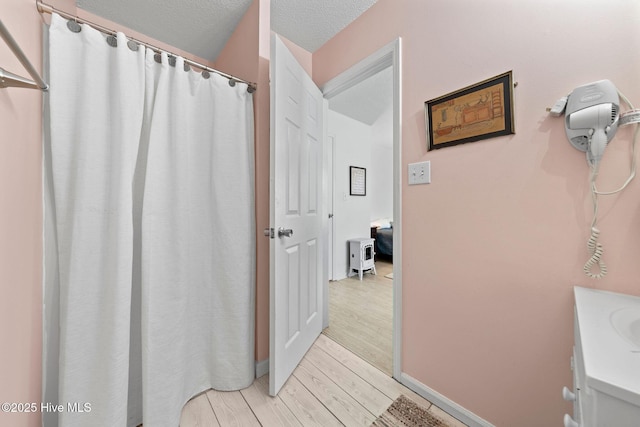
<point>295,215</point>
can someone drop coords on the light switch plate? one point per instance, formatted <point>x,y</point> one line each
<point>420,173</point>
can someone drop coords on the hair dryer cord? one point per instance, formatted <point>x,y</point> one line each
<point>596,250</point>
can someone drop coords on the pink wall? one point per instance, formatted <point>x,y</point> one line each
<point>513,211</point>
<point>246,55</point>
<point>304,57</point>
<point>239,56</point>
<point>20,220</point>
<point>492,248</point>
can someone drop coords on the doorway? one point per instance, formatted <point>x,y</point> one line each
<point>350,216</point>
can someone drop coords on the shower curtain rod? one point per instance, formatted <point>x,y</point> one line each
<point>8,79</point>
<point>45,8</point>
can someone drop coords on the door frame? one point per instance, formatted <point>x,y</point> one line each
<point>387,56</point>
<point>330,147</point>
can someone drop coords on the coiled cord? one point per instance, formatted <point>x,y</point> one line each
<point>596,250</point>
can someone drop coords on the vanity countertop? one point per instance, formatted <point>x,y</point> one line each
<point>611,359</point>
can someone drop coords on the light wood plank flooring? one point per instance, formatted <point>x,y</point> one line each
<point>361,315</point>
<point>330,387</point>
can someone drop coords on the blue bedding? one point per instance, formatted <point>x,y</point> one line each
<point>384,241</point>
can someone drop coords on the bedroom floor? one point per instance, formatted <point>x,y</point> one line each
<point>361,316</point>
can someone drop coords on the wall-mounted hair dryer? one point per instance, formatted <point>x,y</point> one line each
<point>591,121</point>
<point>591,118</point>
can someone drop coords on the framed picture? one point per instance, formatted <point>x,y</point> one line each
<point>476,112</point>
<point>357,181</point>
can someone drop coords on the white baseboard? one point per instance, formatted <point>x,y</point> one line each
<point>447,405</point>
<point>262,368</point>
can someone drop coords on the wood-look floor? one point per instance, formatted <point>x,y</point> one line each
<point>330,387</point>
<point>361,315</point>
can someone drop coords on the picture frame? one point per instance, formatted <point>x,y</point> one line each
<point>357,181</point>
<point>480,111</point>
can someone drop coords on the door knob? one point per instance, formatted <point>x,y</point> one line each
<point>284,232</point>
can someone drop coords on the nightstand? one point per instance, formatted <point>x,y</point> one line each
<point>361,254</point>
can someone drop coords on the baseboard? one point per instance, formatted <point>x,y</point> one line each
<point>447,405</point>
<point>262,368</point>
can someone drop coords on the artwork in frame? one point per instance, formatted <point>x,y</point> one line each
<point>357,181</point>
<point>480,111</point>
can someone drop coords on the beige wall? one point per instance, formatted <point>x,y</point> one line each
<point>492,248</point>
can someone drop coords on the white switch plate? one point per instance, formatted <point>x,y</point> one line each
<point>420,173</point>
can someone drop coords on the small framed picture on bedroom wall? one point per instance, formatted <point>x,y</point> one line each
<point>357,181</point>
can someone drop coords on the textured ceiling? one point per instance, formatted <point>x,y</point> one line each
<point>311,23</point>
<point>202,27</point>
<point>367,100</point>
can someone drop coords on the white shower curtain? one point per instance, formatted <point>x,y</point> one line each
<point>152,213</point>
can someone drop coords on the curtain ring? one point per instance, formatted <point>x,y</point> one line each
<point>73,26</point>
<point>112,41</point>
<point>206,74</point>
<point>133,45</point>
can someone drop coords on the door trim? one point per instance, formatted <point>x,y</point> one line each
<point>328,226</point>
<point>387,56</point>
<point>331,157</point>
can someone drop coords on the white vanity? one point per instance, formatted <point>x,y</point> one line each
<point>606,360</point>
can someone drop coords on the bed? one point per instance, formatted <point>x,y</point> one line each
<point>382,232</point>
